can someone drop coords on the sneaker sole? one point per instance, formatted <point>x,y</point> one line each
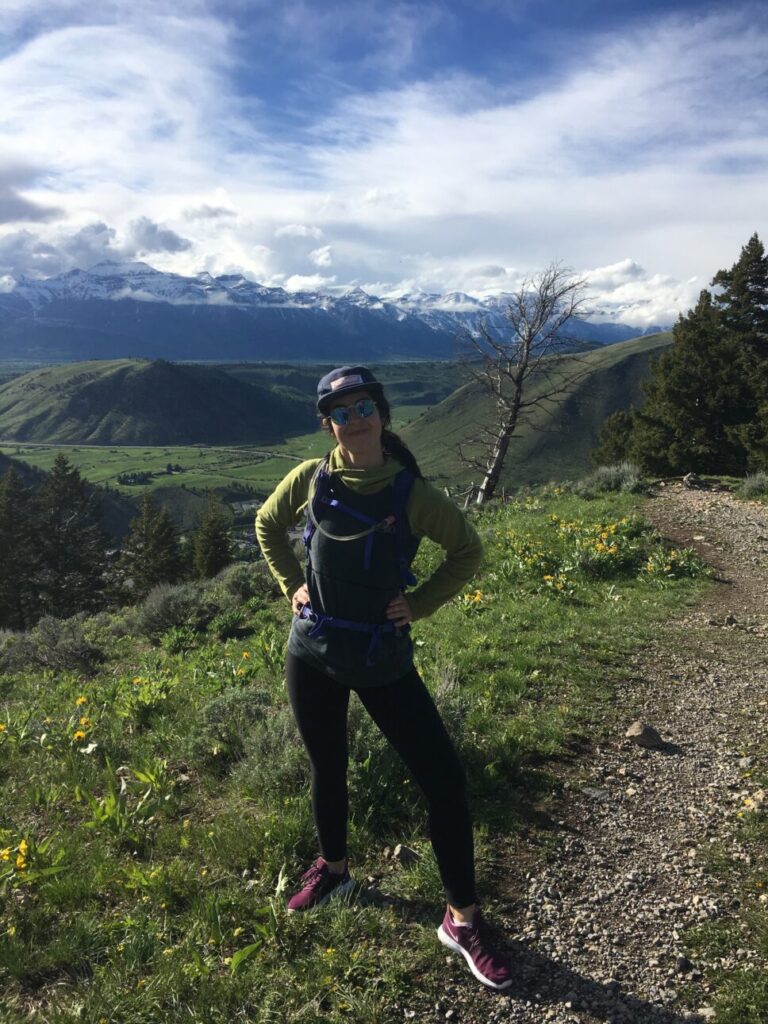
<point>446,940</point>
<point>340,890</point>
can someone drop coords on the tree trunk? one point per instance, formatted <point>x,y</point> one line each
<point>491,479</point>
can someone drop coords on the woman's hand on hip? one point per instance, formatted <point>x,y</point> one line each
<point>299,599</point>
<point>399,611</point>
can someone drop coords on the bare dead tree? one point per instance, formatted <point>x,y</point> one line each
<point>505,366</point>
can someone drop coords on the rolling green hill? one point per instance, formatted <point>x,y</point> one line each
<point>135,401</point>
<point>548,446</point>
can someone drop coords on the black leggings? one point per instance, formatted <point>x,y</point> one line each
<point>407,716</point>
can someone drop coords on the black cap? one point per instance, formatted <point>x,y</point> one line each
<point>343,380</point>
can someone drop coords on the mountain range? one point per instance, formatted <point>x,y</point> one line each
<point>121,309</point>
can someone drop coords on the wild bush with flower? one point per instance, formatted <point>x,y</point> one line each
<point>574,552</point>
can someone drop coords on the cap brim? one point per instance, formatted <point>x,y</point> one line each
<point>375,390</point>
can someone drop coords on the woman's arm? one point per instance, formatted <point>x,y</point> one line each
<point>432,514</point>
<point>281,511</point>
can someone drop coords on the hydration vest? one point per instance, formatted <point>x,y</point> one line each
<point>359,553</point>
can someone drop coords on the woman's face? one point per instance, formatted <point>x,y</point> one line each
<point>361,434</point>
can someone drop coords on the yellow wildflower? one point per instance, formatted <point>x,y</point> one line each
<point>21,863</point>
<point>237,931</point>
<point>6,853</point>
<point>2,726</point>
<point>81,700</point>
<point>23,847</point>
<point>548,577</point>
<point>246,654</point>
<point>86,722</point>
<point>240,672</point>
<point>78,736</point>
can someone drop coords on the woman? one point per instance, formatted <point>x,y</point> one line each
<point>367,505</point>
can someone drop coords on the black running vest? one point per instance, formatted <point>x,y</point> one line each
<point>350,583</point>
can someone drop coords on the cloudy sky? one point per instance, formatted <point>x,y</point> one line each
<point>435,145</point>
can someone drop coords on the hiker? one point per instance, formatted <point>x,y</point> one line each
<point>367,504</point>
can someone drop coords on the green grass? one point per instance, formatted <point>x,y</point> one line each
<point>161,843</point>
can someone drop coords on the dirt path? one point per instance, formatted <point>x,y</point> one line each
<point>598,936</point>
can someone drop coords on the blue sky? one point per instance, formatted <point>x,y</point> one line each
<point>395,146</point>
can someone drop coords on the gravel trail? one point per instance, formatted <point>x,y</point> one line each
<point>597,936</point>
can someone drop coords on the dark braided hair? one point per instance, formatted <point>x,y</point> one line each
<point>391,444</point>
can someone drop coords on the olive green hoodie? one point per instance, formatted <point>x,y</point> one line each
<point>430,514</point>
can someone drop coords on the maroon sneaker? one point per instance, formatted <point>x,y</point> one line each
<point>319,884</point>
<point>475,944</point>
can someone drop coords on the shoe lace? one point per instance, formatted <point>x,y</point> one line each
<point>481,940</point>
<point>313,874</point>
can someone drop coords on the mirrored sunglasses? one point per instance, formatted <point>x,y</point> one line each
<point>342,414</point>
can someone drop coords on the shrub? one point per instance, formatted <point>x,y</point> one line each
<point>228,623</point>
<point>178,639</point>
<point>623,476</point>
<point>275,765</point>
<point>755,485</point>
<point>166,606</point>
<point>58,644</point>
<point>246,581</point>
<point>224,724</point>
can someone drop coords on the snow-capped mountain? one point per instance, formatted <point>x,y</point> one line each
<point>129,308</point>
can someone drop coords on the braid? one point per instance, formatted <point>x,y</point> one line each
<point>397,448</point>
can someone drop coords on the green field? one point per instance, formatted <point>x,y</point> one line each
<point>224,469</point>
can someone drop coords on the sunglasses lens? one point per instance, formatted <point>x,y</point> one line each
<point>365,407</point>
<point>340,415</point>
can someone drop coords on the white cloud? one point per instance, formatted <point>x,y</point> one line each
<point>322,257</point>
<point>298,231</point>
<point>308,282</point>
<point>614,276</point>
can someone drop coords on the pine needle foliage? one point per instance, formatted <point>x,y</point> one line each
<point>151,552</point>
<point>706,402</point>
<point>211,542</point>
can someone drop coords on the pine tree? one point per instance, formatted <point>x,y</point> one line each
<point>614,438</point>
<point>743,298</point>
<point>151,553</point>
<point>743,301</point>
<point>70,557</point>
<point>16,543</point>
<point>211,543</point>
<point>696,399</point>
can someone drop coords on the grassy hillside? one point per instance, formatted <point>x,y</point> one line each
<point>414,384</point>
<point>155,797</point>
<point>549,445</point>
<point>131,401</point>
